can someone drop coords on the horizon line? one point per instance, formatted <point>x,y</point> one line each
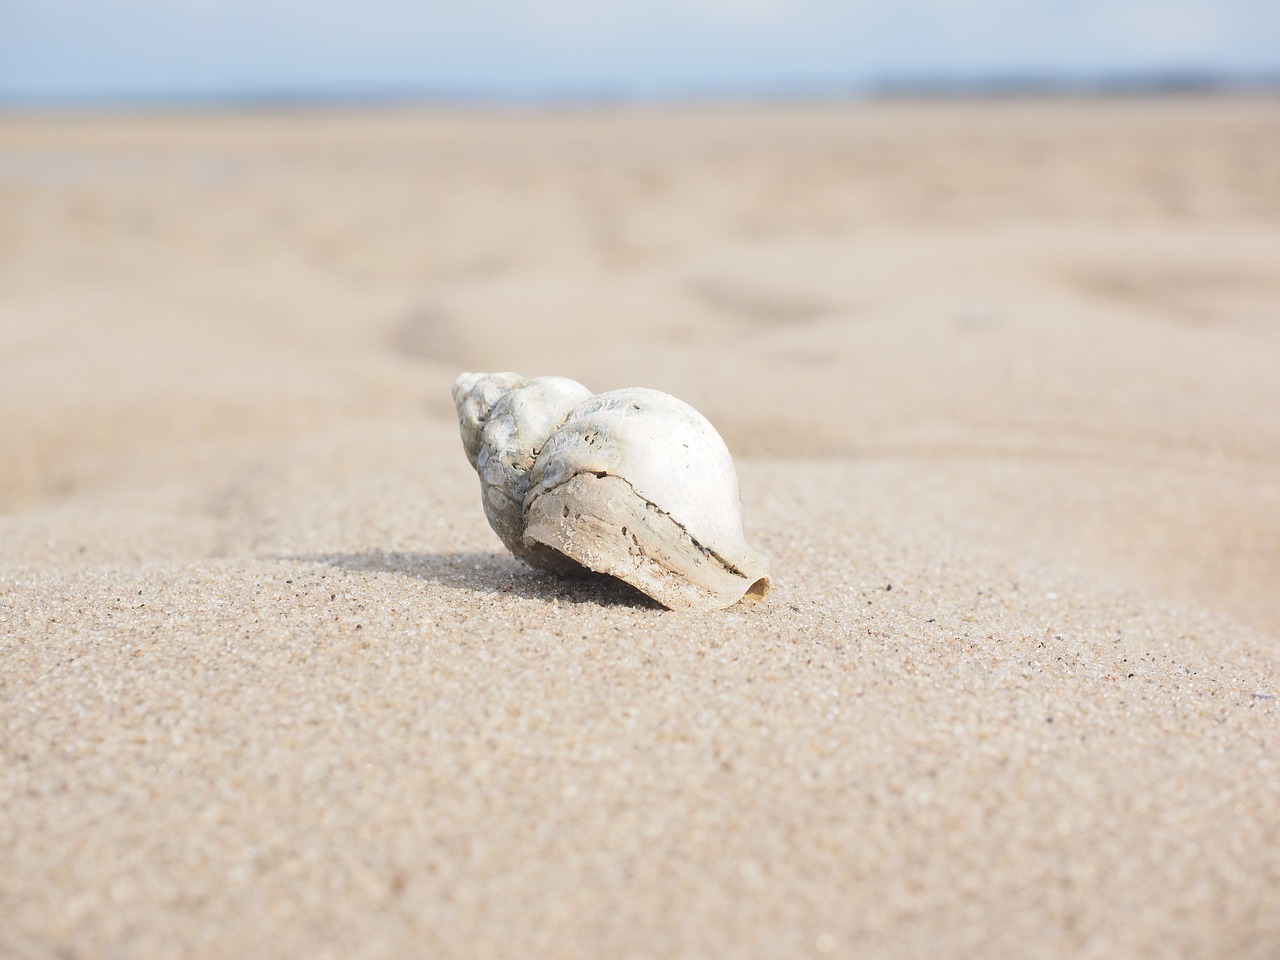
<point>1002,85</point>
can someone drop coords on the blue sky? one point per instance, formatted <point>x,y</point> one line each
<point>85,50</point>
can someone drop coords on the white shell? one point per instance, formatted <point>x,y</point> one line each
<point>632,483</point>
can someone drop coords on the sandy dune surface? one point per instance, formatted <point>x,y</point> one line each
<point>1002,380</point>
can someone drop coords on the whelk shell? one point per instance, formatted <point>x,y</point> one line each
<point>632,483</point>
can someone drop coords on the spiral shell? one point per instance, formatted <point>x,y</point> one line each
<point>631,483</point>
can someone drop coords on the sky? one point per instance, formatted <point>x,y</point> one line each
<point>84,51</point>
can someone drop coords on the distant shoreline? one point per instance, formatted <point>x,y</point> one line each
<point>1004,86</point>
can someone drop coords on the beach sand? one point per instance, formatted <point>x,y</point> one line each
<point>1002,381</point>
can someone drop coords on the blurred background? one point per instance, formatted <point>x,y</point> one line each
<point>1032,247</point>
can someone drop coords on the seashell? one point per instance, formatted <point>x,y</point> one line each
<point>632,483</point>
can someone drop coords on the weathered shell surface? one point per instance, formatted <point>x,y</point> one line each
<point>632,483</point>
<point>514,425</point>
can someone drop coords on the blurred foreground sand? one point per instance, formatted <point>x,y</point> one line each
<point>1003,380</point>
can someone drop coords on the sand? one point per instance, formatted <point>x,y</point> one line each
<point>1002,380</point>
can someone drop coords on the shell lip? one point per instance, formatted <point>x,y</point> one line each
<point>746,579</point>
<point>729,565</point>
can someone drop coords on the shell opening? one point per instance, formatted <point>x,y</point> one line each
<point>758,590</point>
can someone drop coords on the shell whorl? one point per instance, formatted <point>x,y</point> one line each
<point>666,450</point>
